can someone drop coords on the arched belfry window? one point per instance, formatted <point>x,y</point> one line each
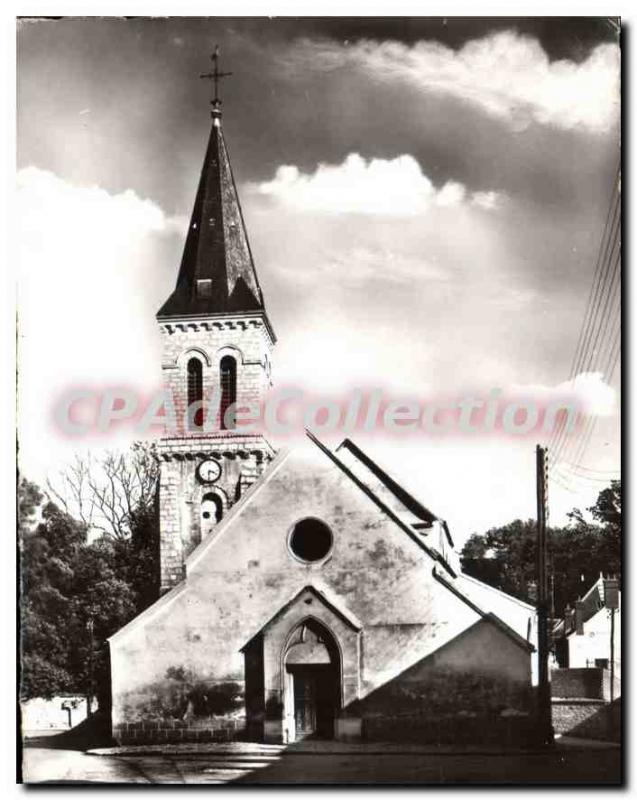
<point>228,381</point>
<point>195,388</point>
<point>211,510</point>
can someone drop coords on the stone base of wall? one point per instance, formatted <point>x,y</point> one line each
<point>211,729</point>
<point>588,719</point>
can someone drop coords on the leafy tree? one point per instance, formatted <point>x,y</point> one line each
<point>607,513</point>
<point>505,557</point>
<point>75,592</point>
<point>48,553</point>
<point>29,500</point>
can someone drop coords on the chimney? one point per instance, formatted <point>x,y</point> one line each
<point>611,593</point>
<point>579,618</point>
<point>569,620</point>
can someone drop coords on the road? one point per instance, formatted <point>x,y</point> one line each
<point>270,764</point>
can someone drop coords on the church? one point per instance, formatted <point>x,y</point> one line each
<point>304,593</point>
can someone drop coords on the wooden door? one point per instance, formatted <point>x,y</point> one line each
<point>314,701</point>
<point>305,682</point>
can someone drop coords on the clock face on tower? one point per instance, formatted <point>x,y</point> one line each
<point>209,471</point>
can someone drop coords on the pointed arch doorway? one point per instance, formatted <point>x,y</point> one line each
<point>312,670</point>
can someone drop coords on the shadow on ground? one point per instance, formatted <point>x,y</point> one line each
<point>59,759</point>
<point>94,731</point>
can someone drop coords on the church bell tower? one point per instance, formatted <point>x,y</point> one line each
<point>217,344</point>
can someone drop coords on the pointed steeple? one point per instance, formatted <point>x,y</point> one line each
<point>217,273</point>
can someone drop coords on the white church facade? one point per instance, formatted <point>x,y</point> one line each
<point>304,593</point>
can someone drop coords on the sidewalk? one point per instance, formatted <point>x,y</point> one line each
<point>321,763</point>
<point>331,747</point>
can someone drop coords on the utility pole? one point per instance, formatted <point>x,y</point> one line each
<point>611,601</point>
<point>89,692</point>
<point>612,654</point>
<point>545,724</point>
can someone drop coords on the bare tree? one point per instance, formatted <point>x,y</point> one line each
<point>106,492</point>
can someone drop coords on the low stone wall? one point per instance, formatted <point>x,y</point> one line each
<point>200,729</point>
<point>590,682</point>
<point>588,719</point>
<point>57,713</point>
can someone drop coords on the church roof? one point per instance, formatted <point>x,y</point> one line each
<point>388,495</point>
<point>404,500</point>
<point>217,274</point>
<point>489,616</point>
<point>325,596</point>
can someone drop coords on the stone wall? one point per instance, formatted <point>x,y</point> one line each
<point>588,719</point>
<point>586,682</point>
<point>242,459</point>
<point>437,700</point>
<point>59,712</point>
<point>243,456</point>
<point>247,339</point>
<point>203,729</point>
<point>578,683</point>
<point>476,687</point>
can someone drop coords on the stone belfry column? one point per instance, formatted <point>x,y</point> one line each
<point>217,342</point>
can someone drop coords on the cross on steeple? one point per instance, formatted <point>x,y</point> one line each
<point>217,273</point>
<point>215,76</point>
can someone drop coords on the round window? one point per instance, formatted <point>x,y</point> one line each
<point>310,540</point>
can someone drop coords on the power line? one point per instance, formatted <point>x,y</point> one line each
<point>612,286</point>
<point>612,211</point>
<point>572,466</point>
<point>599,338</point>
<point>608,372</point>
<point>611,227</point>
<point>609,291</point>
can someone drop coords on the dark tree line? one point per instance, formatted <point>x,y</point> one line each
<point>505,557</point>
<point>86,574</point>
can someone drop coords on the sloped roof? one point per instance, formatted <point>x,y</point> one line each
<point>587,606</point>
<point>326,597</point>
<point>409,508</point>
<point>487,615</point>
<point>402,512</point>
<point>217,273</point>
<point>517,614</point>
<point>388,508</point>
<point>406,500</point>
<point>593,600</point>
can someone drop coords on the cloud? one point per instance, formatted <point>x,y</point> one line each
<point>487,200</point>
<point>357,266</point>
<point>89,286</point>
<point>48,204</point>
<point>505,74</point>
<point>390,187</point>
<point>597,397</point>
<point>593,394</point>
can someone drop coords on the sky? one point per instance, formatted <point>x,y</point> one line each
<point>424,201</point>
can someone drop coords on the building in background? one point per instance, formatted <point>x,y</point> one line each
<point>59,713</point>
<point>586,688</point>
<point>588,644</point>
